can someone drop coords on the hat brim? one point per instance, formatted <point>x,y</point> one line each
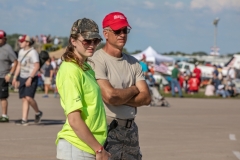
<point>91,35</point>
<point>119,25</point>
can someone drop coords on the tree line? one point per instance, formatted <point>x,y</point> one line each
<point>12,39</point>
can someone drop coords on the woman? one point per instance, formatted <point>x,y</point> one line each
<point>28,66</point>
<point>85,130</point>
<point>47,69</point>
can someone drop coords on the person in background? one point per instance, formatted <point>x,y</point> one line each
<point>220,74</point>
<point>174,81</point>
<point>216,81</point>
<point>144,65</point>
<point>85,129</point>
<point>48,76</point>
<point>7,58</point>
<point>210,89</point>
<point>215,70</point>
<point>28,66</point>
<point>230,85</point>
<point>193,84</point>
<point>123,88</point>
<point>53,62</point>
<point>187,74</point>
<point>198,73</point>
<point>222,92</point>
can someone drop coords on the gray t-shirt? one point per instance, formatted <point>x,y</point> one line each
<point>121,73</point>
<point>27,63</point>
<point>7,57</point>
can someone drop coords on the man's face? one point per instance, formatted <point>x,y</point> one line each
<point>2,41</point>
<point>117,38</point>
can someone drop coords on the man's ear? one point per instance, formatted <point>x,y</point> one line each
<point>105,34</point>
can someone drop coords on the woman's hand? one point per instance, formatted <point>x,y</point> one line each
<point>104,155</point>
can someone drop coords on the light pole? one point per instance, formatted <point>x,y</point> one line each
<point>215,23</point>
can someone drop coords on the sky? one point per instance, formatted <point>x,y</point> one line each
<point>165,25</point>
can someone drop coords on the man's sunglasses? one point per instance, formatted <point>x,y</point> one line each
<point>87,42</point>
<point>120,31</point>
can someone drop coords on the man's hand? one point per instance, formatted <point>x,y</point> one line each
<point>143,97</point>
<point>28,82</point>
<point>116,96</point>
<point>7,77</point>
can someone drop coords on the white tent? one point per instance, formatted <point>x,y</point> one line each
<point>153,56</point>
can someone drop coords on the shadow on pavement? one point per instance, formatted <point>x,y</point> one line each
<point>44,122</point>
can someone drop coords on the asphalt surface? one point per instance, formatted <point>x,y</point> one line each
<point>190,129</point>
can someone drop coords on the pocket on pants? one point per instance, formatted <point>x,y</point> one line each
<point>4,92</point>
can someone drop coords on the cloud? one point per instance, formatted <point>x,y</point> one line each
<point>73,0</point>
<point>35,3</point>
<point>149,4</point>
<point>177,5</point>
<point>143,24</point>
<point>215,5</point>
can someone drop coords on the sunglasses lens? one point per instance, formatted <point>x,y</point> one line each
<point>117,31</point>
<point>125,31</point>
<point>96,41</point>
<point>89,42</point>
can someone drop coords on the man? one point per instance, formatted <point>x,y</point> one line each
<point>197,72</point>
<point>144,65</point>
<point>215,71</point>
<point>123,88</point>
<point>7,58</point>
<point>174,81</point>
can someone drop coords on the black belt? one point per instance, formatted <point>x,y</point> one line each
<point>122,122</point>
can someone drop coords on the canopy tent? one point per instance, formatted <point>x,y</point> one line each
<point>156,59</point>
<point>153,56</point>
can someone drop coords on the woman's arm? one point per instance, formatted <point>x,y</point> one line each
<point>83,132</point>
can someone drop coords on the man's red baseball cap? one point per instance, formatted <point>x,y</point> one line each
<point>2,34</point>
<point>115,21</point>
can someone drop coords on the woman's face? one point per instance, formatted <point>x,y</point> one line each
<point>85,48</point>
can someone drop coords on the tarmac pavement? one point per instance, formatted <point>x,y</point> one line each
<point>190,129</point>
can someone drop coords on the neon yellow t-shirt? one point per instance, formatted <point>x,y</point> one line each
<point>79,90</point>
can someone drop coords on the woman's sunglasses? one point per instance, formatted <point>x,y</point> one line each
<point>87,42</point>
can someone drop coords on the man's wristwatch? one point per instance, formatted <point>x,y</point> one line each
<point>100,150</point>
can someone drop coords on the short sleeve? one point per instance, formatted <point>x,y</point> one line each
<point>51,67</point>
<point>71,95</point>
<point>35,56</point>
<point>12,56</point>
<point>139,73</point>
<point>99,67</point>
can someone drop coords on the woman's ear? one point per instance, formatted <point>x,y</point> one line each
<point>73,41</point>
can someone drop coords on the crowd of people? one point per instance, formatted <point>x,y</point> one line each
<point>43,42</point>
<point>191,82</point>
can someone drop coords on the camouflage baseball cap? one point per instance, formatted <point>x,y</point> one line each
<point>87,28</point>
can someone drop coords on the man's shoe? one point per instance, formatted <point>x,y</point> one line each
<point>4,119</point>
<point>38,117</point>
<point>162,105</point>
<point>45,96</point>
<point>21,122</point>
